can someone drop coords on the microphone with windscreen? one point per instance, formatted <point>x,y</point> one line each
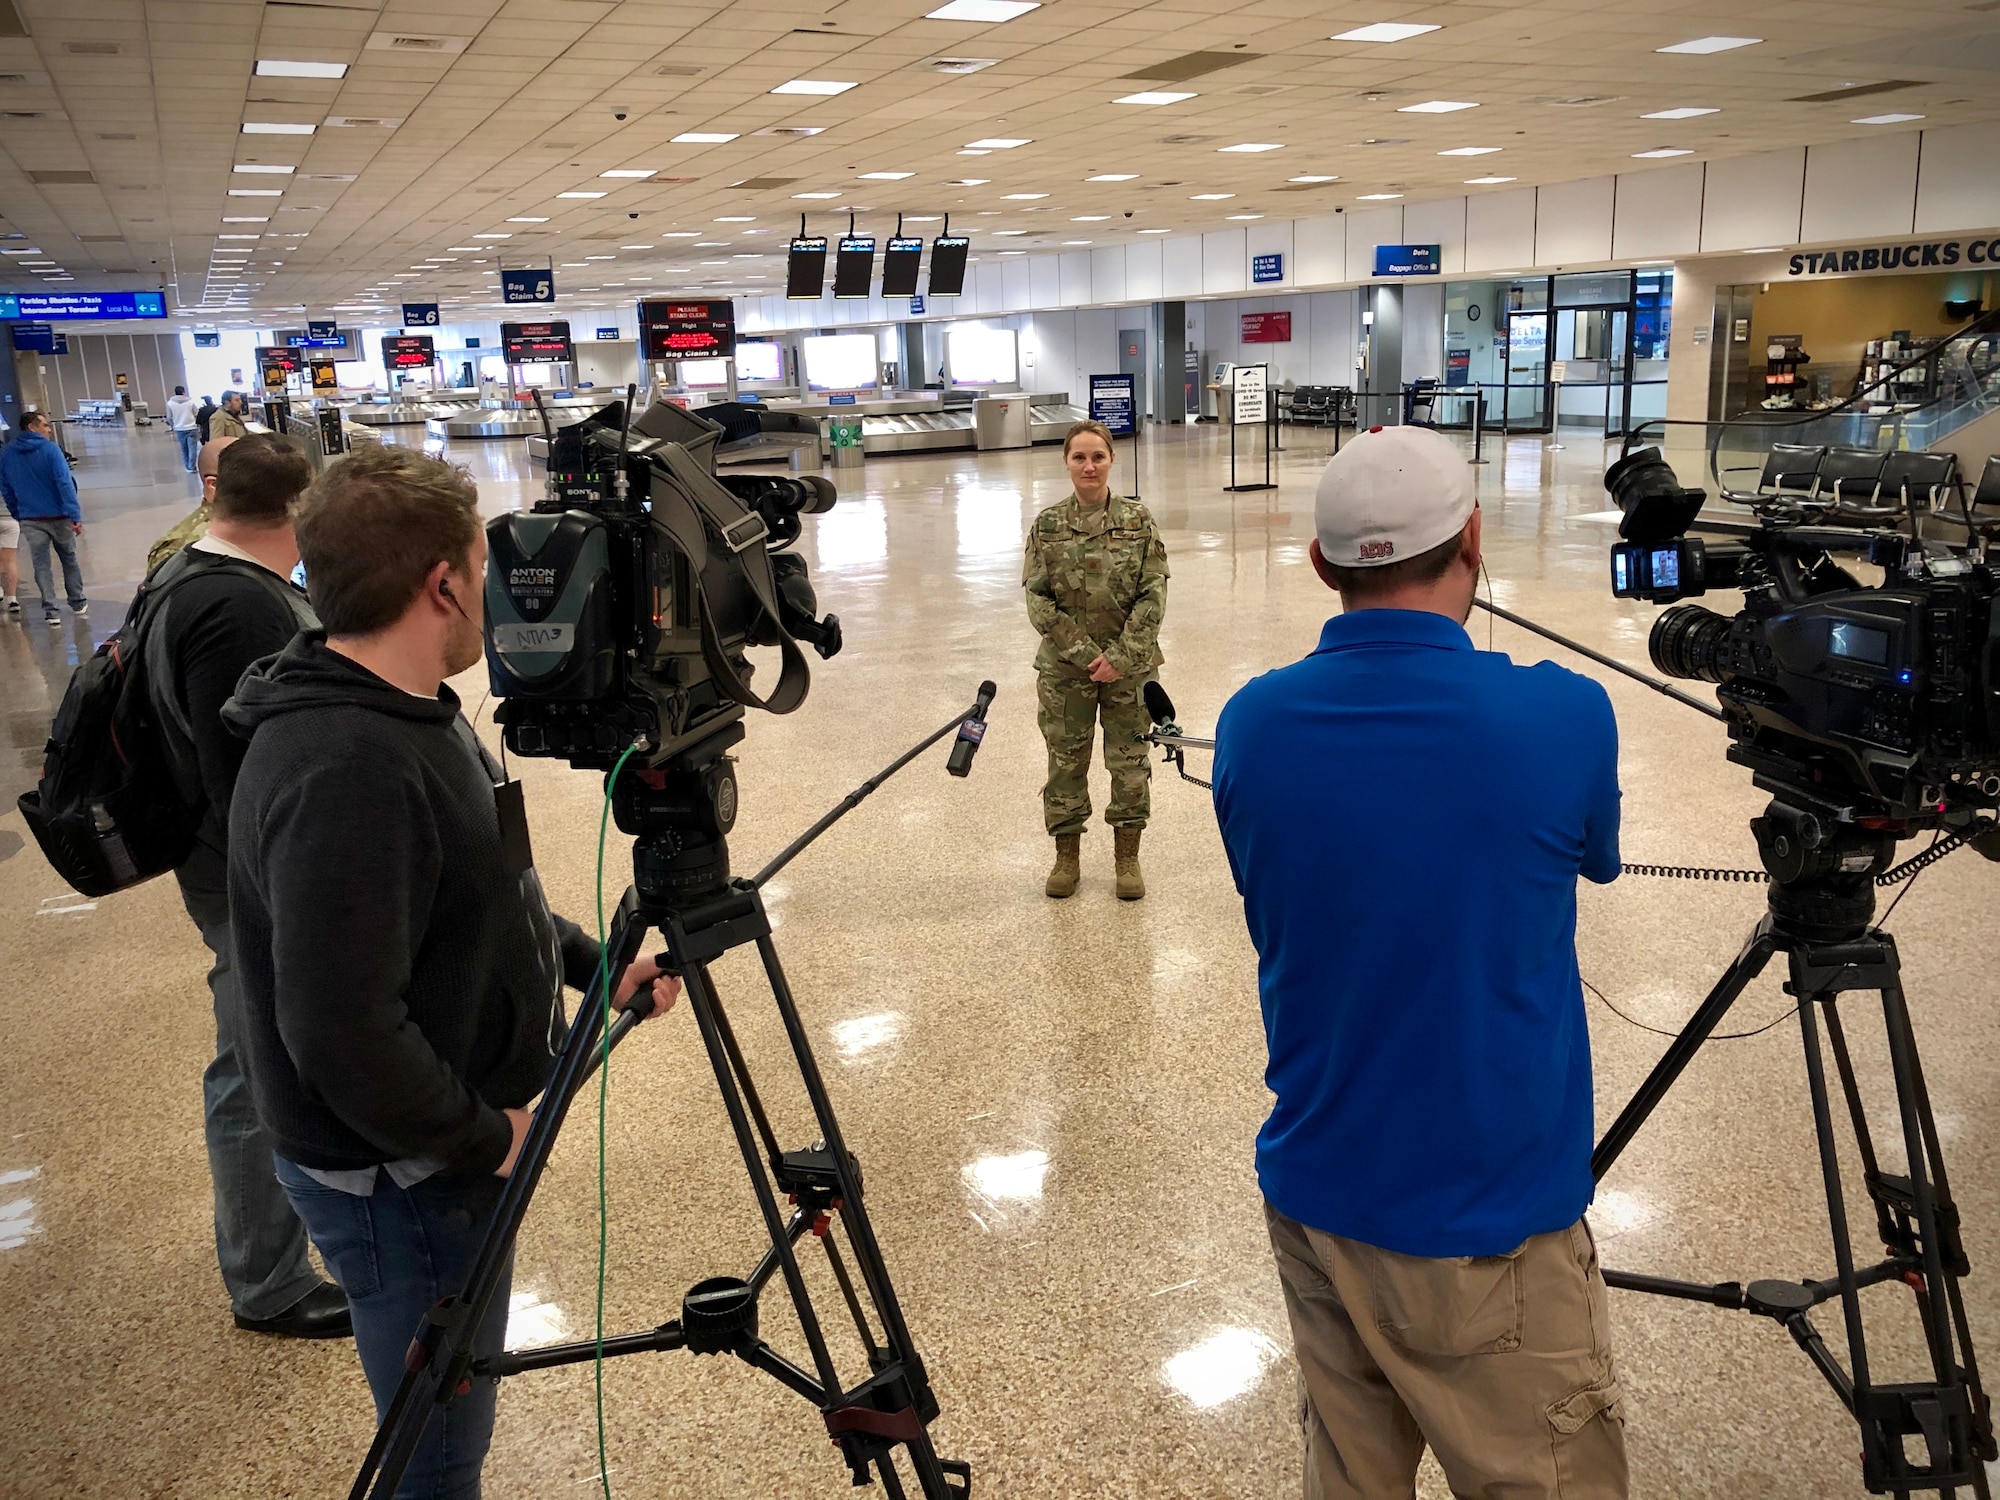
<point>971,732</point>
<point>1159,707</point>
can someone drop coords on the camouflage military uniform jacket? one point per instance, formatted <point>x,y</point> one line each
<point>1096,577</point>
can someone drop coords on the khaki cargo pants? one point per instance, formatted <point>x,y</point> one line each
<point>1502,1364</point>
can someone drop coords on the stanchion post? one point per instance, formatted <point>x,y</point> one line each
<point>1478,422</point>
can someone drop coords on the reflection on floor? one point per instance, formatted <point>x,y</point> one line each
<point>1054,1103</point>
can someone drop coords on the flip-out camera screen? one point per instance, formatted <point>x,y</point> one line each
<point>948,264</point>
<point>901,263</point>
<point>855,268</point>
<point>805,268</point>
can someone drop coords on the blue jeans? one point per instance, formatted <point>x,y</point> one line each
<point>41,536</point>
<point>190,440</point>
<point>395,1253</point>
<point>260,1244</point>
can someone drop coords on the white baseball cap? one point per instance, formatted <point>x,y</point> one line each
<point>1392,493</point>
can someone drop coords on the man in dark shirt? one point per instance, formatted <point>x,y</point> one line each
<point>1406,818</point>
<point>401,974</point>
<point>235,603</point>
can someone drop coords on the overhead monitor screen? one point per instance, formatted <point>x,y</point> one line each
<point>536,343</point>
<point>900,264</point>
<point>760,361</point>
<point>704,374</point>
<point>840,362</point>
<point>408,351</point>
<point>805,268</point>
<point>981,356</point>
<point>284,357</point>
<point>948,264</point>
<point>670,330</point>
<point>855,269</point>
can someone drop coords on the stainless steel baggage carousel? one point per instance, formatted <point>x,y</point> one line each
<point>511,421</point>
<point>408,413</point>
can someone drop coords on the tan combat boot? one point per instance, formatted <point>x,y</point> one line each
<point>1131,884</point>
<point>1068,867</point>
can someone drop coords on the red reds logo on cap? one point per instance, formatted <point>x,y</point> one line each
<point>1376,551</point>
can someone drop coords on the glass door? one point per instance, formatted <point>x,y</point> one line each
<point>1527,372</point>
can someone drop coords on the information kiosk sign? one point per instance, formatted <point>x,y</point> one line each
<point>1408,260</point>
<point>48,305</point>
<point>408,351</point>
<point>536,343</point>
<point>280,356</point>
<point>687,330</point>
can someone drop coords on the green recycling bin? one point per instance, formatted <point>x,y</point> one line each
<point>843,435</point>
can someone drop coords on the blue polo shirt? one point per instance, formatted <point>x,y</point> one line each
<point>1406,818</point>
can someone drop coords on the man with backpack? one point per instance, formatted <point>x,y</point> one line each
<point>226,601</point>
<point>207,409</point>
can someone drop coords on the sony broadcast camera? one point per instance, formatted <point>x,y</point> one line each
<point>1870,704</point>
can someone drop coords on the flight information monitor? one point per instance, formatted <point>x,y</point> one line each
<point>901,263</point>
<point>759,360</point>
<point>805,268</point>
<point>281,356</point>
<point>948,253</point>
<point>408,351</point>
<point>536,343</point>
<point>855,269</point>
<point>676,330</point>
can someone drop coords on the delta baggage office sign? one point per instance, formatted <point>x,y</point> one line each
<point>1921,255</point>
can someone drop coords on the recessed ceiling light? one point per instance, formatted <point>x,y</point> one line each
<point>1687,113</point>
<point>998,143</point>
<point>821,86</point>
<point>680,234</point>
<point>256,192</point>
<point>968,182</point>
<point>635,247</point>
<point>815,195</point>
<point>639,173</point>
<point>1021,197</point>
<point>737,219</point>
<point>1661,151</point>
<point>971,151</point>
<point>885,176</point>
<point>462,247</point>
<point>1384,31</point>
<point>1702,45</point>
<point>1318,177</point>
<point>925,218</point>
<point>528,219</point>
<point>1254,146</point>
<point>236,236</point>
<point>1246,216</point>
<point>1114,177</point>
<point>1885,119</point>
<point>264,167</point>
<point>1378,197</point>
<point>1486,181</point>
<point>1156,231</point>
<point>580,195</point>
<point>272,67</point>
<point>1436,107</point>
<point>703,137</point>
<point>1006,232</point>
<point>982,10</point>
<point>600,257</point>
<point>711,244</point>
<point>1210,197</point>
<point>1090,218</point>
<point>1470,151</point>
<point>495,234</point>
<point>271,127</point>
<point>1154,96</point>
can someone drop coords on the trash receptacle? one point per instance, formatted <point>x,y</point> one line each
<point>1000,422</point>
<point>843,436</point>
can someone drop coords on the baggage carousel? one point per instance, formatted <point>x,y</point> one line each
<point>512,421</point>
<point>408,413</point>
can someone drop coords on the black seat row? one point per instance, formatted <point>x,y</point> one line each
<point>1321,404</point>
<point>1857,483</point>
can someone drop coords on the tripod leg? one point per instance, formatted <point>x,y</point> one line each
<point>1836,1200</point>
<point>445,1339</point>
<point>1746,966</point>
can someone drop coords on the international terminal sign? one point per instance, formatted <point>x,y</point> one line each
<point>1922,255</point>
<point>45,306</point>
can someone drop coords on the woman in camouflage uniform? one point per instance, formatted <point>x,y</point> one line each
<point>1096,577</point>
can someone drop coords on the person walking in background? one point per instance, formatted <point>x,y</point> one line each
<point>228,423</point>
<point>1096,577</point>
<point>180,416</point>
<point>40,493</point>
<point>202,415</point>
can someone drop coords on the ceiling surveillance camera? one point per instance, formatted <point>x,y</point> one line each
<point>1128,213</point>
<point>631,216</point>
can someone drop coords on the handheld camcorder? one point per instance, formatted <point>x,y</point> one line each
<point>1865,702</point>
<point>619,608</point>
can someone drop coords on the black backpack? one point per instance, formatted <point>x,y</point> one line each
<point>108,812</point>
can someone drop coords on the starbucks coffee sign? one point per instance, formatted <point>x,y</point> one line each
<point>1921,255</point>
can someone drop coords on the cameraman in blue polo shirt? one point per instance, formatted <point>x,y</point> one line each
<point>1406,818</point>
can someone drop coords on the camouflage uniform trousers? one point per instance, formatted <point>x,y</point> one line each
<point>1068,710</point>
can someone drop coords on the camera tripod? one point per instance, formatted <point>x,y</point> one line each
<point>1924,1435</point>
<point>680,812</point>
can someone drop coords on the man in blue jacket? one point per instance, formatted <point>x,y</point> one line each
<point>41,494</point>
<point>1407,818</point>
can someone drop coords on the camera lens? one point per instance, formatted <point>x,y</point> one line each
<point>1691,642</point>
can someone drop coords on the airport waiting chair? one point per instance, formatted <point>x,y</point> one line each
<point>1919,483</point>
<point>1851,480</point>
<point>1310,405</point>
<point>1986,496</point>
<point>1790,472</point>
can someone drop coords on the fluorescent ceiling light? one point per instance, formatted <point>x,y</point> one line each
<point>1378,197</point>
<point>494,234</point>
<point>1154,96</point>
<point>236,236</point>
<point>1470,151</point>
<point>1209,197</point>
<point>600,257</point>
<point>1436,107</point>
<point>982,10</point>
<point>925,218</point>
<point>885,176</point>
<point>968,182</point>
<point>1384,31</point>
<point>1090,218</point>
<point>971,151</point>
<point>997,143</point>
<point>1021,197</point>
<point>272,67</point>
<point>815,195</point>
<point>1687,113</point>
<point>1703,45</point>
<point>680,234</point>
<point>263,167</point>
<point>240,219</point>
<point>640,173</point>
<point>737,219</point>
<point>1156,231</point>
<point>1114,177</point>
<point>1660,152</point>
<point>1318,177</point>
<point>269,127</point>
<point>1254,146</point>
<point>1885,119</point>
<point>703,137</point>
<point>463,247</point>
<point>580,195</point>
<point>635,247</point>
<point>528,219</point>
<point>256,192</point>
<point>1006,232</point>
<point>1245,216</point>
<point>1076,242</point>
<point>1486,181</point>
<point>821,86</point>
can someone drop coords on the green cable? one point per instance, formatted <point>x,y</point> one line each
<point>603,1095</point>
